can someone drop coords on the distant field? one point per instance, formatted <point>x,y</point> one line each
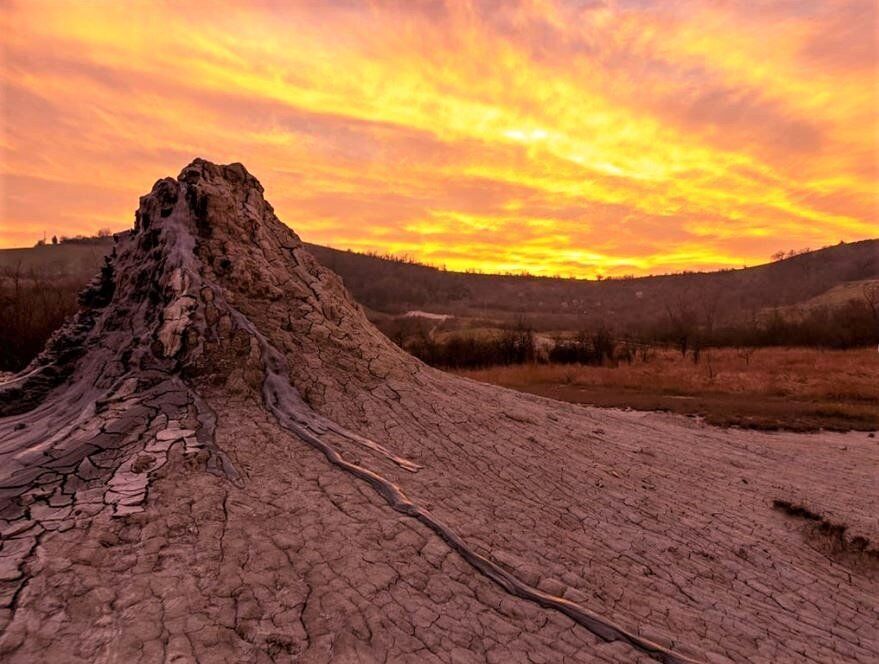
<point>799,389</point>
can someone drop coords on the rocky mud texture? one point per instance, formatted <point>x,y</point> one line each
<point>220,460</point>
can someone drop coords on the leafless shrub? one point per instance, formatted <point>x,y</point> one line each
<point>745,352</point>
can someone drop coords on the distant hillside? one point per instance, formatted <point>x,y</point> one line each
<point>72,258</point>
<point>395,286</point>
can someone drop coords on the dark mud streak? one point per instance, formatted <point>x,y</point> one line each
<point>315,421</point>
<point>293,414</point>
<point>274,393</point>
<point>219,463</point>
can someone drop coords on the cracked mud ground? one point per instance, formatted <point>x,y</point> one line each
<point>220,460</point>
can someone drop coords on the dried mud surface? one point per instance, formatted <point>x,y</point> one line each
<point>220,460</point>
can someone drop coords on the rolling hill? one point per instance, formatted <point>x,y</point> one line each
<point>395,286</point>
<point>389,286</point>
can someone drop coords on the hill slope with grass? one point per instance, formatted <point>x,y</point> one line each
<point>392,285</point>
<point>396,286</point>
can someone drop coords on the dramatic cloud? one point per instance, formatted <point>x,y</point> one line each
<point>576,137</point>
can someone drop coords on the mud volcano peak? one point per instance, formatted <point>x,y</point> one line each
<point>207,269</point>
<point>209,291</point>
<point>220,459</point>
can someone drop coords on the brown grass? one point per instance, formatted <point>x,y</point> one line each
<point>794,388</point>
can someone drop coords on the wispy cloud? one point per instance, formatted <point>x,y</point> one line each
<point>556,137</point>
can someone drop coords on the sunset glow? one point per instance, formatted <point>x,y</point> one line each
<point>576,138</point>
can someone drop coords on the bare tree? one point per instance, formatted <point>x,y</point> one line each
<point>745,352</point>
<point>871,295</point>
<point>682,321</point>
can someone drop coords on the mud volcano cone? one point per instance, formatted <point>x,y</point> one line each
<point>220,459</point>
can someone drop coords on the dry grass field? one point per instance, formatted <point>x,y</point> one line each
<point>799,389</point>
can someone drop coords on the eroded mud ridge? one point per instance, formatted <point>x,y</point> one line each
<point>220,459</point>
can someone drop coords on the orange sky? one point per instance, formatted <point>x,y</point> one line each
<point>575,138</point>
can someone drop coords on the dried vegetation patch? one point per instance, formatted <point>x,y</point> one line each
<point>788,388</point>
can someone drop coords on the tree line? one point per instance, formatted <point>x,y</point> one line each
<point>852,324</point>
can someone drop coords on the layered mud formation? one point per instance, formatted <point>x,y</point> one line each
<point>220,459</point>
